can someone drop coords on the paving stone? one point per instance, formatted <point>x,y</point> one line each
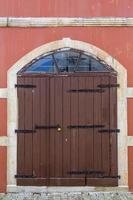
<point>68,196</point>
<point>57,198</point>
<point>44,196</point>
<point>86,196</point>
<point>126,196</point>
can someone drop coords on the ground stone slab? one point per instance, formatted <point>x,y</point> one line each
<point>68,196</point>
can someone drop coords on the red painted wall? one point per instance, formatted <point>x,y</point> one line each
<point>3,117</point>
<point>68,8</point>
<point>14,45</point>
<point>130,168</point>
<point>130,116</point>
<point>3,169</point>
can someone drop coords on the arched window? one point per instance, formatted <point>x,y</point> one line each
<point>66,61</point>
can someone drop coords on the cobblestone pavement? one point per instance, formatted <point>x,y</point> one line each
<point>68,196</point>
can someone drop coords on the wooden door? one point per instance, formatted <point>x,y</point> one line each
<point>67,130</point>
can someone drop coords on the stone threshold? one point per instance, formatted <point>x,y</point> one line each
<point>59,189</point>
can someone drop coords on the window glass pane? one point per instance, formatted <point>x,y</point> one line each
<point>45,64</point>
<point>84,63</point>
<point>97,66</point>
<point>66,60</point>
<point>87,63</point>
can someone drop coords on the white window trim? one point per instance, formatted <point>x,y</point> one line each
<point>13,112</point>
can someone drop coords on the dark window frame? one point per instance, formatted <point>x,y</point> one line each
<point>53,54</point>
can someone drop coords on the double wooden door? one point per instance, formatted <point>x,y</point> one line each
<point>66,132</point>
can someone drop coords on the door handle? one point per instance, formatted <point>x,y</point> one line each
<point>59,129</point>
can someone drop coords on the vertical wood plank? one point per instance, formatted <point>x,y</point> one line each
<point>58,120</point>
<point>28,125</point>
<point>82,121</point>
<point>21,125</point>
<point>66,131</point>
<point>44,133</point>
<point>36,121</point>
<point>105,121</point>
<point>89,120</point>
<point>113,124</point>
<point>52,131</point>
<point>74,121</point>
<point>97,121</point>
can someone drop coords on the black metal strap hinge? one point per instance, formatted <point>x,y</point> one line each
<point>48,127</point>
<point>37,127</point>
<point>25,86</point>
<point>118,177</point>
<point>108,85</point>
<point>85,90</point>
<point>24,176</point>
<point>25,131</point>
<point>86,126</point>
<point>86,172</point>
<point>109,131</point>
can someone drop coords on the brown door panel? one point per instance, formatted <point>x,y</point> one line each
<point>74,104</point>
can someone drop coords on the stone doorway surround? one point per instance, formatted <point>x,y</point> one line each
<point>11,94</point>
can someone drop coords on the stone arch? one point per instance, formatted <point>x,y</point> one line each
<point>12,102</point>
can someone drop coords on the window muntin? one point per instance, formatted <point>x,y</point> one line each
<point>88,63</point>
<point>67,61</point>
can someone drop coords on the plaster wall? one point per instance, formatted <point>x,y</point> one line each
<point>14,45</point>
<point>69,8</point>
